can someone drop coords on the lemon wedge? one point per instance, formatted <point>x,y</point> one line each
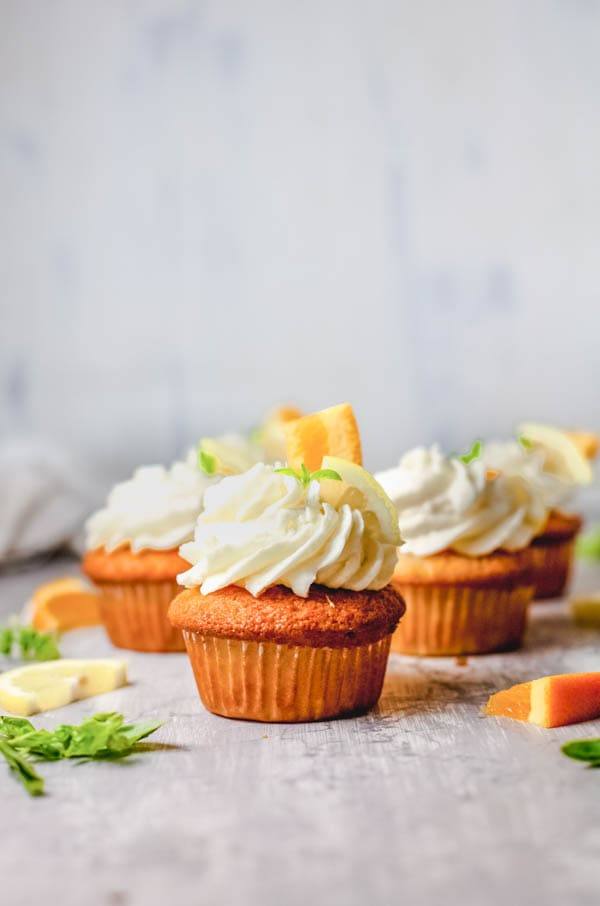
<point>227,455</point>
<point>585,609</point>
<point>42,687</point>
<point>564,457</point>
<point>361,490</point>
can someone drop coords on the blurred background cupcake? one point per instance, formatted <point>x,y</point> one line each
<point>557,463</point>
<point>464,568</point>
<point>132,551</point>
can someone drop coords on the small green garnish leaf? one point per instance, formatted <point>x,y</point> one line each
<point>525,442</point>
<point>587,545</point>
<point>22,769</point>
<point>584,750</point>
<point>305,477</point>
<point>474,453</point>
<point>101,736</point>
<point>31,645</point>
<point>206,462</point>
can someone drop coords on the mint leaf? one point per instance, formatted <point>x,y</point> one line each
<point>326,473</point>
<point>207,462</point>
<point>474,453</point>
<point>525,442</point>
<point>305,477</point>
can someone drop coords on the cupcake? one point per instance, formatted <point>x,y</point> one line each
<point>555,462</point>
<point>464,568</point>
<point>132,552</point>
<point>288,612</point>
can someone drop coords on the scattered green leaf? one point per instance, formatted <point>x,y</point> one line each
<point>474,453</point>
<point>101,736</point>
<point>584,750</point>
<point>30,644</point>
<point>525,442</point>
<point>305,477</point>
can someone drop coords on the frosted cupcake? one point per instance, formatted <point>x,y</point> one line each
<point>556,462</point>
<point>132,552</point>
<point>463,569</point>
<point>288,612</point>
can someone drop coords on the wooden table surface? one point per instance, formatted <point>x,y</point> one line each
<point>422,801</point>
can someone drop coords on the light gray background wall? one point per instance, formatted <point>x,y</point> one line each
<point>207,207</point>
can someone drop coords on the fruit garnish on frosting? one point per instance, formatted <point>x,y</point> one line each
<point>322,520</point>
<point>566,454</point>
<point>265,528</point>
<point>444,503</point>
<point>227,455</point>
<point>330,432</point>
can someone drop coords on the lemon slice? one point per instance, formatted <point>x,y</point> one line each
<point>227,455</point>
<point>42,687</point>
<point>358,488</point>
<point>585,610</point>
<point>63,604</point>
<point>563,456</point>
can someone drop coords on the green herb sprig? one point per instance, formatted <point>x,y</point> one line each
<point>30,645</point>
<point>305,477</point>
<point>584,750</point>
<point>207,462</point>
<point>473,454</point>
<point>525,442</point>
<point>101,736</point>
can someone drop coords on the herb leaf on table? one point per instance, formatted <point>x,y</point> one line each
<point>101,736</point>
<point>584,750</point>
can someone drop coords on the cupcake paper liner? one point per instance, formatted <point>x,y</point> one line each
<point>270,682</point>
<point>552,562</point>
<point>135,615</point>
<point>453,620</point>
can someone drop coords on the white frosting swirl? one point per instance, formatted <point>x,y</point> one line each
<point>444,503</point>
<point>511,458</point>
<point>155,509</point>
<point>263,528</point>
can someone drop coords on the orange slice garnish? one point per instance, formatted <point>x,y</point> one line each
<point>64,604</point>
<point>332,432</point>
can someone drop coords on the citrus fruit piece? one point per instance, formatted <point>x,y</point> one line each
<point>63,604</point>
<point>552,701</point>
<point>585,610</point>
<point>227,455</point>
<point>331,431</point>
<point>271,434</point>
<point>562,454</point>
<point>586,442</point>
<point>361,490</point>
<point>42,687</point>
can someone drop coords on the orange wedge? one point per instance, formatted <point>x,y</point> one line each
<point>552,701</point>
<point>332,432</point>
<point>64,604</point>
<point>586,442</point>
